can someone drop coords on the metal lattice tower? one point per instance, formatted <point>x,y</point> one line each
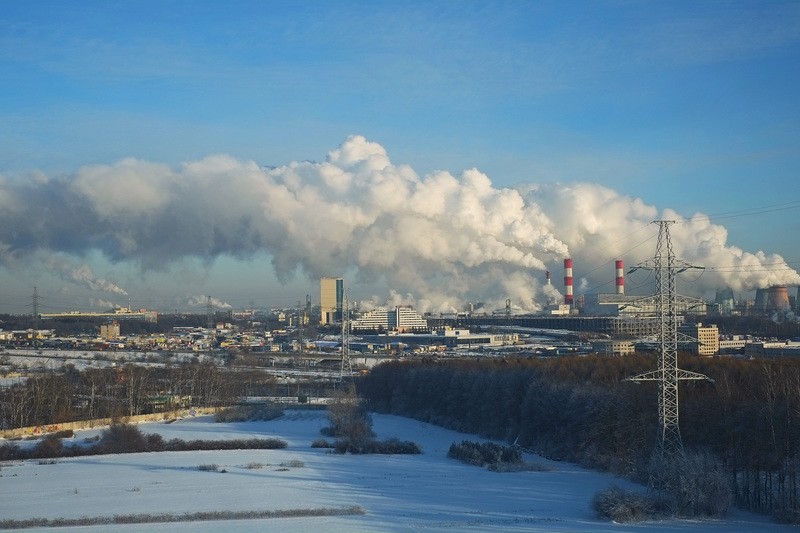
<point>209,314</point>
<point>507,333</point>
<point>669,447</point>
<point>35,305</point>
<point>347,367</point>
<point>36,320</point>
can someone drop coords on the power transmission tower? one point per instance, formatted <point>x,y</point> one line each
<point>507,334</point>
<point>669,447</point>
<point>209,313</point>
<point>35,305</point>
<point>346,364</point>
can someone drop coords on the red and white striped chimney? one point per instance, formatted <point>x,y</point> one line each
<point>568,281</point>
<point>620,277</point>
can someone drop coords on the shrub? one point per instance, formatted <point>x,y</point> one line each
<point>244,413</point>
<point>50,446</point>
<point>155,443</point>
<point>9,451</point>
<point>620,505</point>
<point>388,447</point>
<point>480,454</point>
<point>519,467</point>
<point>328,431</point>
<point>122,438</point>
<point>696,485</point>
<point>208,468</point>
<point>321,443</point>
<point>64,434</point>
<point>294,463</point>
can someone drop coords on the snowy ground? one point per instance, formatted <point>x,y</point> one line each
<point>427,492</point>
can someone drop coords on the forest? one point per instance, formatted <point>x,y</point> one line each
<point>70,394</point>
<point>581,409</point>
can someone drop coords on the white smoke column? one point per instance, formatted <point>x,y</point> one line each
<point>81,274</point>
<point>444,239</point>
<point>103,304</point>
<point>202,301</point>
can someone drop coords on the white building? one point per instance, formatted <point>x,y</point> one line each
<point>398,319</point>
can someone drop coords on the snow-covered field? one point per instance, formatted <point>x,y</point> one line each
<point>427,492</point>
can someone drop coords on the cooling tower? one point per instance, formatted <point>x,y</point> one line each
<point>778,298</point>
<point>724,295</point>
<point>775,298</point>
<point>761,299</point>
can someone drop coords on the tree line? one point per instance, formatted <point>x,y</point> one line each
<point>69,394</point>
<point>580,409</point>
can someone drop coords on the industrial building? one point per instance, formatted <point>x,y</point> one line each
<point>445,337</point>
<point>120,313</point>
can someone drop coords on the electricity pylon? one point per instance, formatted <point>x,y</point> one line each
<point>346,364</point>
<point>669,447</point>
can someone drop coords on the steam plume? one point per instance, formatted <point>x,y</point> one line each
<point>442,239</point>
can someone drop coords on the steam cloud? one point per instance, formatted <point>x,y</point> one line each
<point>81,274</point>
<point>202,301</point>
<point>437,241</point>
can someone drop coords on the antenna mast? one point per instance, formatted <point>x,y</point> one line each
<point>669,447</point>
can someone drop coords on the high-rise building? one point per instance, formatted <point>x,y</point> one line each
<point>331,295</point>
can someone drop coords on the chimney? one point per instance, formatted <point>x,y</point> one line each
<point>620,277</point>
<point>568,282</point>
<point>547,274</point>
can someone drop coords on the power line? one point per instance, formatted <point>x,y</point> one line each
<point>743,212</point>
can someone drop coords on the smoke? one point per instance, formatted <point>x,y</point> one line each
<point>81,274</point>
<point>103,304</point>
<point>203,301</point>
<point>438,241</point>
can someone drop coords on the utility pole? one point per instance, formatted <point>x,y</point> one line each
<point>669,447</point>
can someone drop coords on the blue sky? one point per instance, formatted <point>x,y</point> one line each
<point>687,105</point>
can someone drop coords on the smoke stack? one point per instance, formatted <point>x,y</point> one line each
<point>620,277</point>
<point>568,281</point>
<point>547,274</point>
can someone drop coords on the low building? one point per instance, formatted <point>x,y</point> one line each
<point>772,349</point>
<point>613,347</point>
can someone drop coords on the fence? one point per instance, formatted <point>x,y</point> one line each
<point>100,422</point>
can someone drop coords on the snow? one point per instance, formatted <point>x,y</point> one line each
<point>427,492</point>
